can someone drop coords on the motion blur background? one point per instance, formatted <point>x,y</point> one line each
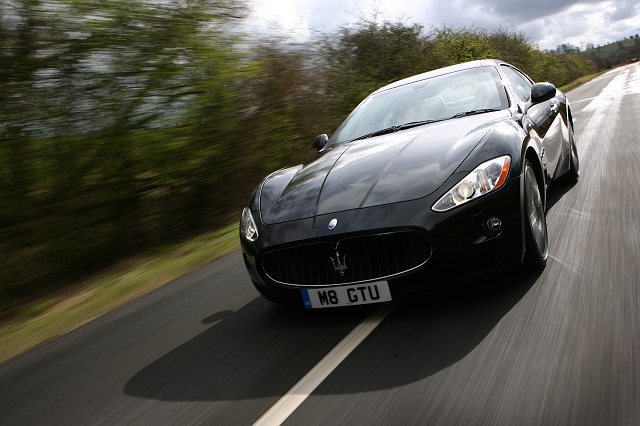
<point>127,124</point>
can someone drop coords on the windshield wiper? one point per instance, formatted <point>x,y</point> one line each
<point>377,133</point>
<point>394,129</point>
<point>474,112</point>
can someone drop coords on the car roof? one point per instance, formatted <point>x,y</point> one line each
<point>441,71</point>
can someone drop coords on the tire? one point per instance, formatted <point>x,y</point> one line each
<point>574,166</point>
<point>537,239</point>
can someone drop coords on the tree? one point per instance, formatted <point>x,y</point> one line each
<point>462,45</point>
<point>90,165</point>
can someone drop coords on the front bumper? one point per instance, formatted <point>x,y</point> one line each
<point>461,244</point>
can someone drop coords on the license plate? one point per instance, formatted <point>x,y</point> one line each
<point>348,295</point>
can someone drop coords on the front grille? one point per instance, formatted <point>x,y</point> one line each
<point>366,258</point>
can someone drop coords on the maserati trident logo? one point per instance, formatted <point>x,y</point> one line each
<point>333,223</point>
<point>339,264</point>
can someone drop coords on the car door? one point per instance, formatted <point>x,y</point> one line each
<point>545,117</point>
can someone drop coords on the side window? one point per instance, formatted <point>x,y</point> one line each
<point>521,85</point>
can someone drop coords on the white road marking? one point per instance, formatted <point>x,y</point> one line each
<point>296,396</point>
<point>581,100</point>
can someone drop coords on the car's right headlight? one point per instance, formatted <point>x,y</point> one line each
<point>487,177</point>
<point>248,227</point>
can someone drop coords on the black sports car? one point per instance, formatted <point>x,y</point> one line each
<point>433,179</point>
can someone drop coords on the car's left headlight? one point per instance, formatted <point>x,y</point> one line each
<point>248,227</point>
<point>487,177</point>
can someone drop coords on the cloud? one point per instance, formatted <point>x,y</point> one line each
<point>623,9</point>
<point>519,13</point>
<point>547,23</point>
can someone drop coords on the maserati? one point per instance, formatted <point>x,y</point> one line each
<point>433,179</point>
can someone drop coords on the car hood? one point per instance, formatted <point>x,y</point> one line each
<point>401,166</point>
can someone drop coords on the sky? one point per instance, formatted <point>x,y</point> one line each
<point>547,23</point>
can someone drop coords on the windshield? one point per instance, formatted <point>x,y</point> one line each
<point>437,98</point>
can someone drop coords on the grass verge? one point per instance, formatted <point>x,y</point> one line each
<point>579,82</point>
<point>45,319</point>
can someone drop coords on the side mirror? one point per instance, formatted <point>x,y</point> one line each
<point>320,141</point>
<point>541,92</point>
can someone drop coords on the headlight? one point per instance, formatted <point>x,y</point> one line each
<point>485,178</point>
<point>248,227</point>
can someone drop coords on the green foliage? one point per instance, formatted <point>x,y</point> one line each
<point>370,54</point>
<point>559,69</point>
<point>116,125</point>
<point>462,45</point>
<point>613,54</point>
<point>513,47</point>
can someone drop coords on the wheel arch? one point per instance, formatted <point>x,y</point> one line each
<point>534,160</point>
<point>569,114</point>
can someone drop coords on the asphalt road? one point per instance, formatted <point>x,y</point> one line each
<point>561,347</point>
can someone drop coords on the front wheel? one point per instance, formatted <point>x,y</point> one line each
<point>537,239</point>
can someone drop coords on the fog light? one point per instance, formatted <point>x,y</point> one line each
<point>494,224</point>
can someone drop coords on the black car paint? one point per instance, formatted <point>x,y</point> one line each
<point>387,169</point>
<point>295,205</point>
